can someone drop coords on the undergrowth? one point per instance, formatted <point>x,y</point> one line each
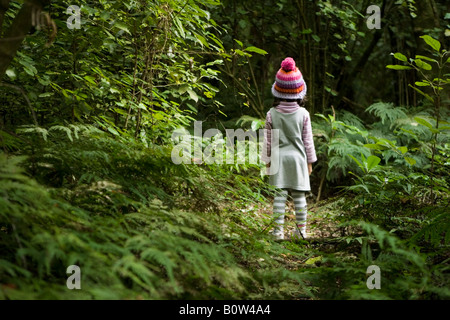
<point>141,227</point>
<point>122,213</point>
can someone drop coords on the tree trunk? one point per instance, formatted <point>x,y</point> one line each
<point>344,88</point>
<point>18,30</point>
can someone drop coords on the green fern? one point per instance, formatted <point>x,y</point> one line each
<point>436,228</point>
<point>387,112</point>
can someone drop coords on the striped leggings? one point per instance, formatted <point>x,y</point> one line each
<point>279,209</point>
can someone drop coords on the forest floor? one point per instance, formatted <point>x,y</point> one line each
<point>324,233</point>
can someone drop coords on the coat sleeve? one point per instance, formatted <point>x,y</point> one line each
<point>266,149</point>
<point>308,139</point>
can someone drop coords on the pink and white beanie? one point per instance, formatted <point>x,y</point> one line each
<point>289,82</point>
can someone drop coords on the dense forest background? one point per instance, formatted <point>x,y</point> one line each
<point>92,91</point>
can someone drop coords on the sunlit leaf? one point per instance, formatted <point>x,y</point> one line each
<point>436,45</point>
<point>398,67</point>
<point>410,161</point>
<point>400,56</point>
<point>423,122</point>
<point>423,65</point>
<point>256,50</point>
<point>372,162</point>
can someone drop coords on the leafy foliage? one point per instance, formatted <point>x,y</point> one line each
<point>87,178</point>
<point>127,247</point>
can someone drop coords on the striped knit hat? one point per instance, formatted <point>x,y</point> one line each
<point>289,83</point>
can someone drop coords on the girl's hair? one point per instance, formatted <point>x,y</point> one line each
<point>301,102</point>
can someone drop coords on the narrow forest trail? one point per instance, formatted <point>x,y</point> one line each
<point>323,231</point>
<point>106,106</point>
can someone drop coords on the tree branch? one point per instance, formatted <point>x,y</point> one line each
<point>18,30</point>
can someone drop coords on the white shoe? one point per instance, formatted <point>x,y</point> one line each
<point>298,235</point>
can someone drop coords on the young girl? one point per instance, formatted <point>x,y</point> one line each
<point>295,153</point>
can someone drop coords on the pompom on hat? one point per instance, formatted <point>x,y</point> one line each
<point>289,82</point>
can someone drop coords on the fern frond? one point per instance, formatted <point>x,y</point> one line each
<point>387,112</point>
<point>351,119</point>
<point>33,129</point>
<point>436,230</point>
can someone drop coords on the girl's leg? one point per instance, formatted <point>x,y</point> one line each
<point>279,210</point>
<point>300,210</point>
